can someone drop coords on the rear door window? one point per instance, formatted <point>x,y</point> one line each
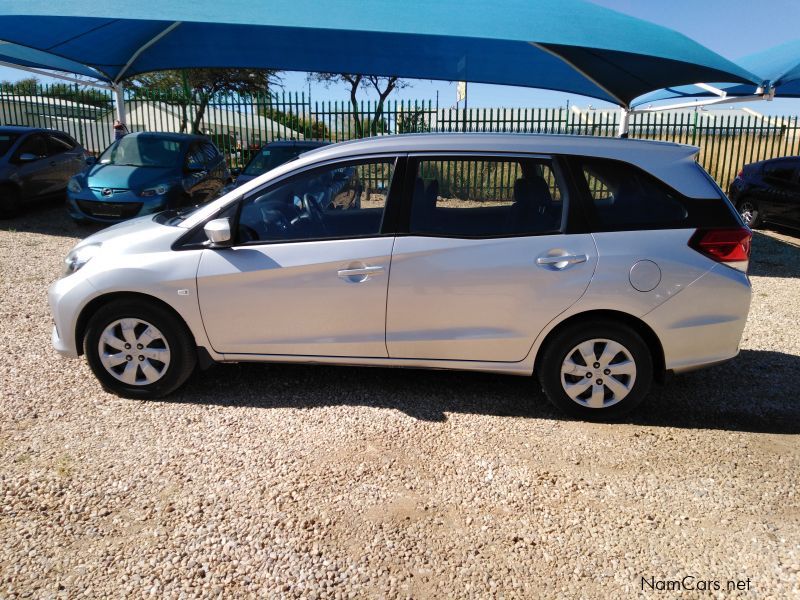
<point>623,196</point>
<point>486,197</point>
<point>782,172</point>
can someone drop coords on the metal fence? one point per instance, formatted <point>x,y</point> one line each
<point>240,124</point>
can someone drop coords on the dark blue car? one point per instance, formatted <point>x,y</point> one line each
<point>272,155</point>
<point>768,191</point>
<point>144,173</point>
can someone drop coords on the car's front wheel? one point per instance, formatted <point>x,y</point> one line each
<point>139,350</point>
<point>596,371</point>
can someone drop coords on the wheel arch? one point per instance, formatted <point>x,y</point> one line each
<point>96,303</point>
<point>643,329</point>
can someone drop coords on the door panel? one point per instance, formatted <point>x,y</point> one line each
<point>487,300</point>
<point>290,298</point>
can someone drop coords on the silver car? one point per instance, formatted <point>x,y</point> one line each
<point>596,264</point>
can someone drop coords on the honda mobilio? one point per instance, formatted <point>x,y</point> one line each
<point>595,264</point>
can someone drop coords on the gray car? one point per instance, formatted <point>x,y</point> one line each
<point>596,264</point>
<point>35,163</point>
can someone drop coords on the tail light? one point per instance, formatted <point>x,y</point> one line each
<point>729,246</point>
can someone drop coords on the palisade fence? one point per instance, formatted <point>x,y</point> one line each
<point>239,124</point>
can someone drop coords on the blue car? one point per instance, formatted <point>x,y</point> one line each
<point>272,155</point>
<point>144,173</point>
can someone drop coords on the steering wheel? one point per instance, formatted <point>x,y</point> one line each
<point>312,210</point>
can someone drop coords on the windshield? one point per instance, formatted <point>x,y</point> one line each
<point>142,151</point>
<point>6,141</point>
<point>269,158</point>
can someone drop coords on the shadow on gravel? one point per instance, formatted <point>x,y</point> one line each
<point>751,393</point>
<point>775,256</point>
<point>48,217</point>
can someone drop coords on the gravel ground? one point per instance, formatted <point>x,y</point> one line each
<point>333,482</point>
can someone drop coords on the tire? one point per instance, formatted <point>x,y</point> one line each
<point>156,373</point>
<point>9,201</point>
<point>748,210</point>
<point>597,402</point>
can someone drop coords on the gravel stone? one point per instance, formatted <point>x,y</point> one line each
<point>289,481</point>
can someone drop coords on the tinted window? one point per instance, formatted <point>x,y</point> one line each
<point>624,196</point>
<point>210,152</point>
<point>269,158</point>
<point>142,151</point>
<point>342,201</point>
<point>780,171</point>
<point>486,197</point>
<point>6,141</point>
<point>196,158</point>
<point>34,144</point>
<point>57,145</point>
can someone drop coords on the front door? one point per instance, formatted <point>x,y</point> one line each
<point>309,272</point>
<point>485,266</point>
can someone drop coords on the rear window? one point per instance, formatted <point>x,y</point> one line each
<point>624,196</point>
<point>269,158</point>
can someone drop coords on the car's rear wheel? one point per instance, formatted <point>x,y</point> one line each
<point>748,210</point>
<point>596,371</point>
<point>139,350</point>
<point>9,201</point>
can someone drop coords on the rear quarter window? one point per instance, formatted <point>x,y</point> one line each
<point>622,196</point>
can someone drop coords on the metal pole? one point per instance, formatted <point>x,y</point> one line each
<point>119,98</point>
<point>624,122</point>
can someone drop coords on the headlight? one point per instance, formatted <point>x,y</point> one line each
<point>158,190</point>
<point>74,185</point>
<point>79,257</point>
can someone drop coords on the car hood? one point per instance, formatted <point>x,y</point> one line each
<point>139,235</point>
<point>131,178</point>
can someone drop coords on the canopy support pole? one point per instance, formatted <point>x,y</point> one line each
<point>624,121</point>
<point>119,101</point>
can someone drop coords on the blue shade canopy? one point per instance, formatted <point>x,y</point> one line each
<point>30,57</point>
<point>567,45</point>
<point>778,66</point>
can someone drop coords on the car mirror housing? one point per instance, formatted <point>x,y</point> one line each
<point>236,171</point>
<point>218,232</point>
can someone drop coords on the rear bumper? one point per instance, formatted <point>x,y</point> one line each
<point>703,324</point>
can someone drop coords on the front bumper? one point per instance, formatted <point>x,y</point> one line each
<point>67,297</point>
<point>90,205</point>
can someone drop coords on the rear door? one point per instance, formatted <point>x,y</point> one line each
<point>65,159</point>
<point>309,272</point>
<point>485,265</point>
<point>782,198</point>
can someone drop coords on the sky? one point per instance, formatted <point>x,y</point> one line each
<point>732,28</point>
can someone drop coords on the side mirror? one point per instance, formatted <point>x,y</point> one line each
<point>91,160</point>
<point>218,232</point>
<point>28,157</point>
<point>236,171</point>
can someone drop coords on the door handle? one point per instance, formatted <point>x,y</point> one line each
<point>359,274</point>
<point>562,261</point>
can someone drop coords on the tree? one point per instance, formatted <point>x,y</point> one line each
<point>196,88</point>
<point>383,86</point>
